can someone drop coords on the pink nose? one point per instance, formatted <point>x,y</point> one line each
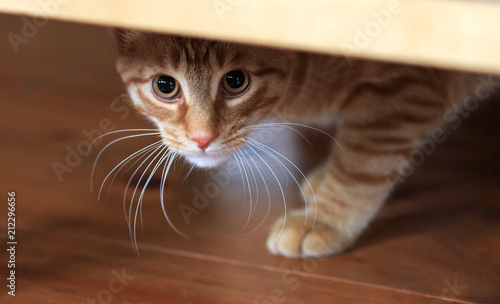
<point>203,141</point>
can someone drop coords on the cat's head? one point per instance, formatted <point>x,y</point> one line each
<point>204,96</point>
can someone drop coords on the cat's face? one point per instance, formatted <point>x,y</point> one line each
<point>204,96</point>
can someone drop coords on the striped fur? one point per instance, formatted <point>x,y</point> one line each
<point>379,111</point>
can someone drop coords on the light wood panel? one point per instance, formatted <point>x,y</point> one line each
<point>446,33</point>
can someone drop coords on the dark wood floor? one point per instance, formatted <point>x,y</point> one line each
<point>436,241</point>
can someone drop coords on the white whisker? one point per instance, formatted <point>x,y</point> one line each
<point>165,152</point>
<point>124,162</point>
<point>123,130</point>
<point>139,157</point>
<point>268,194</point>
<point>304,126</point>
<point>129,216</point>
<point>187,175</point>
<point>133,235</point>
<point>254,180</point>
<point>279,126</point>
<point>263,147</point>
<point>237,153</point>
<point>282,193</point>
<point>246,138</point>
<point>281,164</point>
<point>139,182</point>
<point>166,168</point>
<point>242,178</point>
<point>103,149</point>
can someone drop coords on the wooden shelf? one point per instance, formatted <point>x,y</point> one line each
<point>451,34</point>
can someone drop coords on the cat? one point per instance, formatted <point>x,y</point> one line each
<point>205,95</point>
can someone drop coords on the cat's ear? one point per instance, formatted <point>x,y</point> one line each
<point>124,37</point>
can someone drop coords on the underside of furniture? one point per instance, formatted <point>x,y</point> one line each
<point>445,33</point>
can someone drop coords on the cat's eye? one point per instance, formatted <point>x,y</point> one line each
<point>166,87</point>
<point>235,82</point>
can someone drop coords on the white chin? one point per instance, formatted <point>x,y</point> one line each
<point>206,161</point>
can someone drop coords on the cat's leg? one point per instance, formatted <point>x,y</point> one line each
<point>313,183</point>
<point>357,179</point>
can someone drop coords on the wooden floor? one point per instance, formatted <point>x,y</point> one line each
<point>436,241</point>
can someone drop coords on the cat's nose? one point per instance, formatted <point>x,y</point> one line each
<point>203,140</point>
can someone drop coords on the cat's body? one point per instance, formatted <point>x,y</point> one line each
<point>379,110</point>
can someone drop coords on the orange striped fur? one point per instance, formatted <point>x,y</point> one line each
<point>378,110</point>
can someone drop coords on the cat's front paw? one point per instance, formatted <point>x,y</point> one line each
<point>303,240</point>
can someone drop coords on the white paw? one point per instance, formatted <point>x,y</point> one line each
<point>299,240</point>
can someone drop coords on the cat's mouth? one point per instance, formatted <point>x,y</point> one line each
<point>207,159</point>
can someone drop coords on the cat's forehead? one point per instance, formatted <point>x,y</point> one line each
<point>182,52</point>
<point>141,49</point>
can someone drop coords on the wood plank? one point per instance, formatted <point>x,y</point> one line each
<point>66,269</point>
<point>444,33</point>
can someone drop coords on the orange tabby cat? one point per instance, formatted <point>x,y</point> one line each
<point>203,96</point>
